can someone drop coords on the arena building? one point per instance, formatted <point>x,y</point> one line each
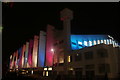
<point>58,52</point>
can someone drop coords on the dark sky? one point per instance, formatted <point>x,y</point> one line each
<point>23,20</point>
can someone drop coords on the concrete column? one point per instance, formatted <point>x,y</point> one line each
<point>23,54</point>
<point>35,52</point>
<point>41,51</point>
<point>26,55</point>
<point>49,45</point>
<point>30,51</point>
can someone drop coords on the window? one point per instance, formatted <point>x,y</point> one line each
<point>78,57</point>
<point>70,68</point>
<point>73,43</point>
<point>85,43</point>
<point>88,55</point>
<point>103,68</point>
<point>43,73</point>
<point>98,41</point>
<point>79,42</point>
<point>90,43</point>
<point>70,72</point>
<point>69,59</point>
<point>46,73</point>
<point>94,42</point>
<point>105,42</point>
<point>45,69</point>
<point>78,69</point>
<point>61,59</point>
<point>113,43</point>
<point>101,41</point>
<point>50,68</point>
<point>89,66</point>
<point>108,41</point>
<point>102,53</point>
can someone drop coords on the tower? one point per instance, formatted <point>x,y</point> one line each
<point>66,17</point>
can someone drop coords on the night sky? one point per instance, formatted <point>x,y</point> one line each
<point>22,21</point>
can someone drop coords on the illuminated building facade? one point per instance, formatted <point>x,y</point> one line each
<point>64,51</point>
<point>81,41</point>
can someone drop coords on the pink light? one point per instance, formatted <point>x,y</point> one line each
<point>30,50</point>
<point>52,50</point>
<point>49,45</point>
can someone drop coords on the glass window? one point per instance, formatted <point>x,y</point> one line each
<point>61,59</point>
<point>88,55</point>
<point>102,53</point>
<point>73,43</point>
<point>91,66</point>
<point>90,43</point>
<point>69,59</point>
<point>105,42</point>
<point>50,68</point>
<point>103,68</point>
<point>45,69</point>
<point>95,42</point>
<point>46,73</point>
<point>108,41</point>
<point>98,41</point>
<point>101,41</point>
<point>78,57</point>
<point>79,42</point>
<point>113,43</point>
<point>85,43</point>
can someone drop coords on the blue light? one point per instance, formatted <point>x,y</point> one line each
<point>81,41</point>
<point>41,50</point>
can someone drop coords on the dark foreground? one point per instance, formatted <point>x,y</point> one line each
<point>14,76</point>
